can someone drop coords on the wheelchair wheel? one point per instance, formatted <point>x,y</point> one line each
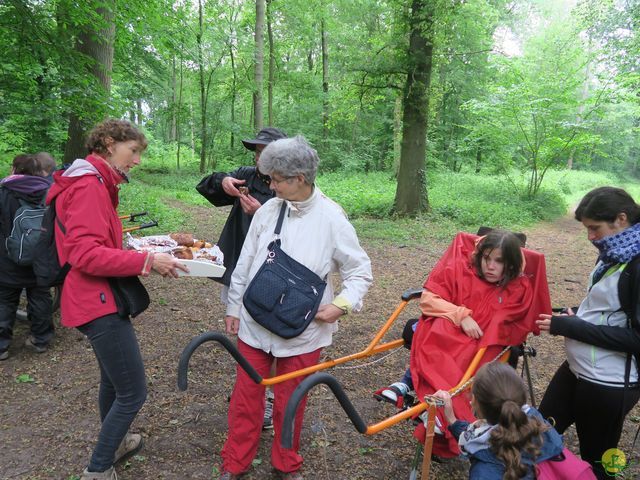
<point>21,314</point>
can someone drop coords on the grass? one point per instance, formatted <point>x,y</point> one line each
<point>458,201</point>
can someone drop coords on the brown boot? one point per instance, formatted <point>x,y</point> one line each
<point>130,445</point>
<point>106,475</point>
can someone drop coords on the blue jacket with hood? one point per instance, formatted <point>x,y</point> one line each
<point>486,466</point>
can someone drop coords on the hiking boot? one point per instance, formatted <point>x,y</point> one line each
<point>4,354</point>
<point>30,342</point>
<point>106,475</point>
<point>130,445</point>
<point>267,421</point>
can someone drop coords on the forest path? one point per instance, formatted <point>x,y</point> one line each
<point>48,425</point>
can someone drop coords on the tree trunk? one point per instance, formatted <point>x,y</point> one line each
<point>310,60</point>
<point>411,192</point>
<point>139,117</point>
<point>179,113</point>
<point>173,121</point>
<point>234,94</point>
<point>397,134</point>
<point>259,65</point>
<point>272,62</point>
<point>203,96</point>
<point>94,43</point>
<point>325,83</point>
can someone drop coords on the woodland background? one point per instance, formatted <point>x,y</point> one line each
<point>412,90</point>
<point>430,116</point>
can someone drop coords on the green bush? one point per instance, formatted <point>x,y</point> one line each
<point>462,201</point>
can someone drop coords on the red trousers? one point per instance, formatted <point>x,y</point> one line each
<point>246,411</point>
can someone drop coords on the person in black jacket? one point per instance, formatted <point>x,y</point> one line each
<point>222,189</point>
<point>599,383</point>
<point>26,184</point>
<point>246,189</point>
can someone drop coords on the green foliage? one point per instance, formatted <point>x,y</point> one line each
<point>360,194</point>
<point>462,201</point>
<point>567,93</point>
<point>24,378</point>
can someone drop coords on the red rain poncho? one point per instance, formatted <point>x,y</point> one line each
<point>441,351</point>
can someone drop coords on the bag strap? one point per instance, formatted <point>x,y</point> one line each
<point>283,210</point>
<point>52,206</point>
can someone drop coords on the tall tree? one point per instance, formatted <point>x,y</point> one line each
<point>96,36</point>
<point>411,192</point>
<point>272,61</point>
<point>258,65</point>
<point>325,81</point>
<point>203,92</point>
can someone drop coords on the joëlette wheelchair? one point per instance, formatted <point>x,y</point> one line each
<point>316,376</point>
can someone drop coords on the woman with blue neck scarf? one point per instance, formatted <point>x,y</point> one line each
<point>599,384</point>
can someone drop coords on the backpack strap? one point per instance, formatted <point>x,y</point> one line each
<point>52,205</point>
<point>628,286</point>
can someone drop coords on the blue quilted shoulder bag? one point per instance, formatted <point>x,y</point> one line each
<point>284,295</point>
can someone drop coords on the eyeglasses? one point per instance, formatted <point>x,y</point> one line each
<point>275,181</point>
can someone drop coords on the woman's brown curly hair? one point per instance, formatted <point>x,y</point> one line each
<point>118,130</point>
<point>500,394</point>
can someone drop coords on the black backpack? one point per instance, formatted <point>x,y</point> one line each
<point>46,265</point>
<point>22,242</point>
<point>627,286</point>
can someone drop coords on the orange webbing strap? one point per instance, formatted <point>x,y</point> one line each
<point>428,442</point>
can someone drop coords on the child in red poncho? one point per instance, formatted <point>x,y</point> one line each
<point>484,292</point>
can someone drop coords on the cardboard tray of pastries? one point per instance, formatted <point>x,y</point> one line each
<point>202,258</point>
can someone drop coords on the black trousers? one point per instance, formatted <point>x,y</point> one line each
<point>598,412</point>
<point>38,312</point>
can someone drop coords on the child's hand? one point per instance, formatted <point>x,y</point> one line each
<point>471,328</point>
<point>448,407</point>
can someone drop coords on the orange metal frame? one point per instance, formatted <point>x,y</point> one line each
<point>372,349</point>
<point>376,347</point>
<point>422,406</point>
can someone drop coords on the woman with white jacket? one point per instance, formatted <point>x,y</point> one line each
<point>316,233</point>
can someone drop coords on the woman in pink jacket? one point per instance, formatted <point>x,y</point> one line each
<point>89,238</point>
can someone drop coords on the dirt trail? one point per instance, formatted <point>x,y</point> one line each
<point>47,426</point>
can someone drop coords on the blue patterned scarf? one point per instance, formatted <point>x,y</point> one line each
<point>622,247</point>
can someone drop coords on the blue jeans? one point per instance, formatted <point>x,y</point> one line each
<point>123,386</point>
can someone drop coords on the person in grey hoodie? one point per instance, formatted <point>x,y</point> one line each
<point>598,384</point>
<point>24,185</point>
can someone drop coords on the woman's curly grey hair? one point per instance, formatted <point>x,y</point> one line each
<point>289,157</point>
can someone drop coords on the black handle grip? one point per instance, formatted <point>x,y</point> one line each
<point>301,391</point>
<point>154,223</point>
<point>132,217</point>
<point>185,356</point>
<point>411,294</point>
